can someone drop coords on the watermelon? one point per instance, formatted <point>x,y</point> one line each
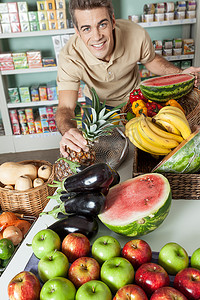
<point>138,205</point>
<point>164,88</point>
<point>185,158</point>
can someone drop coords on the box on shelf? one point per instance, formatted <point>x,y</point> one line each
<point>60,4</point>
<point>38,127</point>
<point>50,5</point>
<point>34,90</point>
<point>43,25</point>
<point>24,94</point>
<point>29,114</point>
<point>45,126</point>
<point>14,95</point>
<point>3,8</point>
<point>33,16</point>
<point>43,92</point>
<point>12,7</point>
<point>34,26</point>
<point>14,121</point>
<point>52,91</point>
<point>188,46</point>
<point>40,5</point>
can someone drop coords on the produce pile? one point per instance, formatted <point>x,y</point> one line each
<point>12,231</point>
<point>22,177</point>
<point>158,125</point>
<point>75,269</point>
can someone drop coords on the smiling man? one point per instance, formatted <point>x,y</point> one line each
<point>104,54</point>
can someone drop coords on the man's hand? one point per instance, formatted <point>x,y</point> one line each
<point>195,71</point>
<point>74,140</point>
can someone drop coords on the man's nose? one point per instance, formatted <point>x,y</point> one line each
<point>96,34</point>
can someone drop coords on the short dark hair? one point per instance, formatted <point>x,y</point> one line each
<point>89,4</point>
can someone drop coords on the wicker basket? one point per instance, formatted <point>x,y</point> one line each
<point>30,202</point>
<point>184,186</point>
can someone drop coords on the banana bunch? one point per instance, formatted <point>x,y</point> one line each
<point>154,135</point>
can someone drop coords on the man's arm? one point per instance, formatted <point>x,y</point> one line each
<point>160,66</point>
<point>71,136</point>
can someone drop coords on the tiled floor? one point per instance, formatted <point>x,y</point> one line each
<point>48,155</point>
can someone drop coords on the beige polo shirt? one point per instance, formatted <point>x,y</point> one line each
<point>113,80</point>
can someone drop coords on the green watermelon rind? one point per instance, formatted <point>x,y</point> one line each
<point>147,223</point>
<point>185,160</point>
<point>165,93</point>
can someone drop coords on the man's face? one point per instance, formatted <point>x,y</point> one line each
<point>96,31</point>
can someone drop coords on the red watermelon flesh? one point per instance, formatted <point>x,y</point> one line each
<point>167,80</point>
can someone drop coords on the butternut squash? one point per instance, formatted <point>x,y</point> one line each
<point>44,172</point>
<point>10,171</point>
<point>23,183</point>
<point>38,182</point>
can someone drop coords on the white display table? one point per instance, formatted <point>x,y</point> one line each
<point>181,226</point>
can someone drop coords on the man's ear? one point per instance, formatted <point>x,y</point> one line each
<point>76,30</point>
<point>113,21</point>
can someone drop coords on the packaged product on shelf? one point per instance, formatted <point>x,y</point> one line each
<point>159,17</point>
<point>43,113</point>
<point>14,18</point>
<point>13,94</point>
<point>24,94</point>
<point>60,4</point>
<point>3,8</point>
<point>52,91</point>
<point>148,18</point>
<point>34,58</point>
<point>20,60</point>
<point>54,109</point>
<point>169,7</point>
<point>34,26</point>
<point>158,45</point>
<point>24,128</point>
<point>33,16</point>
<point>31,127</point>
<point>56,39</point>
<point>177,63</point>
<point>188,46</point>
<point>12,7</point>
<point>40,5</point>
<point>191,5</point>
<point>190,14</point>
<point>43,25</point>
<point>177,43</point>
<point>25,26</point>
<point>144,72</point>
<point>5,18</point>
<point>186,64</point>
<point>22,116</point>
<point>45,126</point>
<point>159,51</point>
<point>167,44</point>
<point>29,114</point>
<point>179,15</point>
<point>49,62</point>
<point>34,90</point>
<point>43,92</point>
<point>6,28</point>
<point>50,5</point>
<point>22,6</point>
<point>38,127</point>
<point>6,61</point>
<point>177,51</point>
<point>64,39</point>
<point>134,18</point>
<point>51,15</point>
<point>23,17</point>
<point>149,8</point>
<point>52,126</point>
<point>61,14</point>
<point>50,113</point>
<point>180,5</point>
<point>53,25</point>
<point>62,24</point>
<point>14,121</point>
<point>159,8</point>
<point>167,52</point>
<point>42,16</point>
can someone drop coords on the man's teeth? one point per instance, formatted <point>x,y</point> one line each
<point>98,45</point>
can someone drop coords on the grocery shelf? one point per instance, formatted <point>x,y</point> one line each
<point>36,33</point>
<point>167,23</point>
<point>179,57</point>
<point>29,70</point>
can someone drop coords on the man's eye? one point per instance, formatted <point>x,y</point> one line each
<point>103,25</point>
<point>86,29</point>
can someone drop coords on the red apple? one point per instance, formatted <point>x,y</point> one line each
<point>167,293</point>
<point>130,291</point>
<point>138,252</point>
<point>75,245</point>
<point>24,286</point>
<point>82,270</point>
<point>187,281</point>
<point>150,277</point>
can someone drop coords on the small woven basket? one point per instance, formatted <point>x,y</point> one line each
<point>30,202</point>
<point>183,186</point>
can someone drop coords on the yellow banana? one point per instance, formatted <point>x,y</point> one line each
<point>132,121</point>
<point>178,122</point>
<point>173,110</point>
<point>154,138</point>
<point>166,125</point>
<point>158,130</point>
<point>149,146</point>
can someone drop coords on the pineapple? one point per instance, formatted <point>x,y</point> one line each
<point>99,121</point>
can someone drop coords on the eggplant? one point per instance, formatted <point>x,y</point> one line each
<point>116,178</point>
<point>93,178</point>
<point>85,204</point>
<point>86,225</point>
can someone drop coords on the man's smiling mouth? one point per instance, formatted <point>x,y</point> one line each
<point>98,46</point>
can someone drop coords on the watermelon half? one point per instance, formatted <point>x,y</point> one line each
<point>137,206</point>
<point>185,158</point>
<point>164,88</point>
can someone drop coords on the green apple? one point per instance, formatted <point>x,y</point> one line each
<point>173,258</point>
<point>94,290</point>
<point>45,241</point>
<point>195,259</point>
<point>58,288</point>
<point>104,248</point>
<point>117,272</point>
<point>53,264</point>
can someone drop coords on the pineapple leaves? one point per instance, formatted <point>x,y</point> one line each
<point>95,100</point>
